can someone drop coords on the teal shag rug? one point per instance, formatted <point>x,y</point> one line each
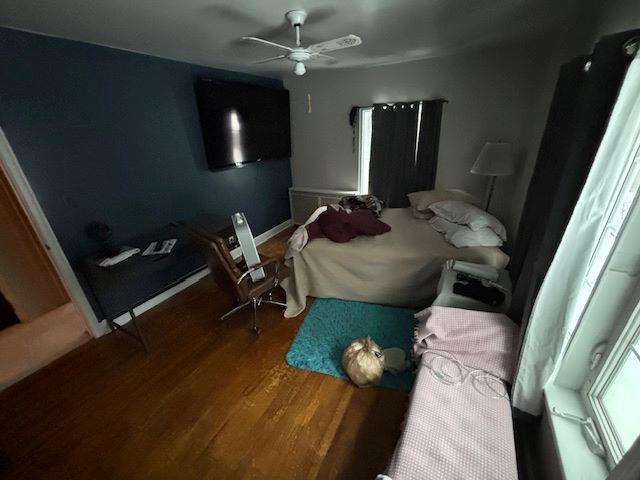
<point>331,325</point>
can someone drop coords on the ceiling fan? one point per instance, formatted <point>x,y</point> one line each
<point>299,54</point>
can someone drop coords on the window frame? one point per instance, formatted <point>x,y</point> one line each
<point>602,376</point>
<point>365,134</point>
<point>629,178</point>
<point>606,359</point>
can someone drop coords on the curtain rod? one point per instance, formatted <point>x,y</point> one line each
<point>443,100</point>
<point>353,113</point>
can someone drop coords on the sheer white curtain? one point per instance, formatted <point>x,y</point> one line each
<point>570,279</point>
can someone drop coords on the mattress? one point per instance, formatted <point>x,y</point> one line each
<point>400,268</point>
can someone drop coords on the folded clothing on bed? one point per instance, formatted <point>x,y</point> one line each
<point>300,236</point>
<point>341,226</point>
<point>359,202</point>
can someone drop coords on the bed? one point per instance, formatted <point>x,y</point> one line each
<point>399,268</point>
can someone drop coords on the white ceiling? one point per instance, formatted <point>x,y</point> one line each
<point>206,32</point>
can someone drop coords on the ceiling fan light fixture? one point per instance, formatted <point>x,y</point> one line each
<point>299,69</point>
<point>299,53</point>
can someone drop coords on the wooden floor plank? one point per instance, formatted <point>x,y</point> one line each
<point>209,401</point>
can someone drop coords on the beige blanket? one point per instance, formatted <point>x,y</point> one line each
<point>401,267</point>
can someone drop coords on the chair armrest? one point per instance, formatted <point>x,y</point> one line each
<point>258,266</point>
<point>266,262</point>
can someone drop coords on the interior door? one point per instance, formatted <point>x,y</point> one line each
<point>28,279</point>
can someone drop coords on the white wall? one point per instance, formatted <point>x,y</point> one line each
<point>493,94</point>
<point>617,16</point>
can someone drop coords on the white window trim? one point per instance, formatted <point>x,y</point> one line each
<point>602,377</point>
<point>418,132</point>
<point>364,148</point>
<point>574,459</point>
<point>607,360</point>
<point>620,279</point>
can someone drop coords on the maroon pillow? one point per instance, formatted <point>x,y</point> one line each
<point>366,222</point>
<point>340,226</point>
<point>313,230</point>
<point>336,226</point>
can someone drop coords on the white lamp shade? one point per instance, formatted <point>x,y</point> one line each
<point>496,158</point>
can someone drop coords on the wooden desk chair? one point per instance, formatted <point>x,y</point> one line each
<point>236,279</point>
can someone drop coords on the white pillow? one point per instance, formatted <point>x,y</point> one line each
<point>443,226</point>
<point>461,236</point>
<point>463,213</point>
<point>465,237</point>
<point>420,201</point>
<point>426,215</point>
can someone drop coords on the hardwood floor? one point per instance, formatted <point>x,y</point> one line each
<point>208,401</point>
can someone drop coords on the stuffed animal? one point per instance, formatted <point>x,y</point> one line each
<point>363,361</point>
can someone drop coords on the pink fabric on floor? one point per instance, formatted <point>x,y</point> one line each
<point>482,340</point>
<point>454,431</point>
<point>27,347</point>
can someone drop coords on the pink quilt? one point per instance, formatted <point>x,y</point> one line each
<point>457,430</point>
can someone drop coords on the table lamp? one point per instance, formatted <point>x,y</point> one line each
<point>495,160</point>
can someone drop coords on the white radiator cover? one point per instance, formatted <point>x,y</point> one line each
<point>305,200</point>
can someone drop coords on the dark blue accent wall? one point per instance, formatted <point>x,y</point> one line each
<point>104,134</point>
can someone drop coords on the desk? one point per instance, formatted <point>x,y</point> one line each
<point>120,288</point>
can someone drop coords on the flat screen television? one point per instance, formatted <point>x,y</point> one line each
<point>242,123</point>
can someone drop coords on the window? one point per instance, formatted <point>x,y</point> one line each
<point>365,115</point>
<point>365,131</point>
<point>612,392</point>
<point>616,215</point>
<point>618,212</point>
<point>398,148</point>
<point>614,397</point>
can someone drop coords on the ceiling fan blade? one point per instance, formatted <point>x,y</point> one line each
<point>329,58</point>
<point>335,44</point>
<point>267,42</point>
<point>279,57</point>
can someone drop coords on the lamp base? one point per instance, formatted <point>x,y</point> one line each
<point>489,194</point>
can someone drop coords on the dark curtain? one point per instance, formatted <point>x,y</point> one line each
<point>584,97</point>
<point>396,168</point>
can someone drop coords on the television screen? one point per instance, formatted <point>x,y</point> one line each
<point>242,123</point>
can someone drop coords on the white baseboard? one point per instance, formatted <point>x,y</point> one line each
<point>196,277</point>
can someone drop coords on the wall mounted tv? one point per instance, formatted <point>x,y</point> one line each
<point>242,123</point>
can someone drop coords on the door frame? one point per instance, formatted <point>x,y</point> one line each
<point>27,198</point>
